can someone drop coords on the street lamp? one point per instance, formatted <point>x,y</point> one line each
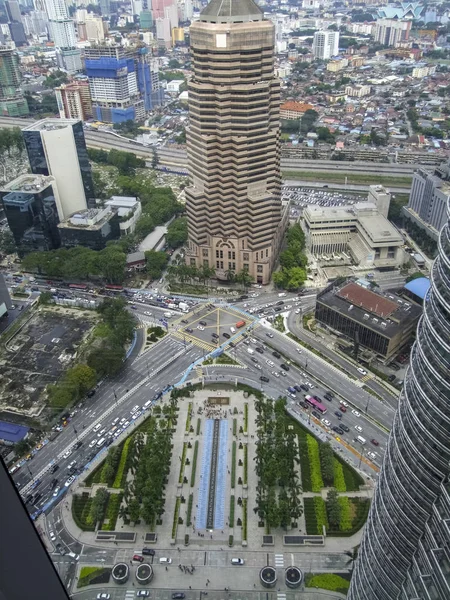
<point>368,402</point>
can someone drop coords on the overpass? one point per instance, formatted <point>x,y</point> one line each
<point>175,157</point>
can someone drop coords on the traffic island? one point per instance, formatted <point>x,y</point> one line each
<point>293,577</point>
<point>120,573</point>
<point>268,577</point>
<point>144,574</point>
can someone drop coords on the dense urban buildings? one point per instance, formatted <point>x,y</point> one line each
<point>404,551</point>
<point>62,32</point>
<point>57,147</point>
<point>233,200</point>
<point>124,83</point>
<point>325,44</point>
<point>74,101</point>
<point>429,199</point>
<point>380,323</point>
<point>31,203</point>
<point>12,102</point>
<point>390,32</point>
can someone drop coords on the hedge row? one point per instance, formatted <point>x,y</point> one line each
<point>304,460</point>
<point>188,417</point>
<point>315,515</point>
<point>245,463</point>
<point>234,427</point>
<point>112,512</point>
<point>93,575</point>
<point>189,510</point>
<point>199,424</point>
<point>121,469</point>
<point>327,581</point>
<point>244,519</point>
<point>194,463</point>
<point>183,462</point>
<point>339,478</point>
<point>345,523</point>
<point>314,462</point>
<point>233,465</point>
<point>176,514</point>
<point>361,509</point>
<point>231,520</point>
<point>94,476</point>
<point>246,417</point>
<point>81,506</point>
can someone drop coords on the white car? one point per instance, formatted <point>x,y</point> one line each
<point>269,335</point>
<point>344,403</point>
<point>358,428</point>
<point>356,413</point>
<point>288,307</point>
<point>372,455</point>
<point>126,424</point>
<point>237,561</point>
<point>149,314</point>
<point>92,444</point>
<point>200,327</point>
<point>71,465</point>
<point>122,421</point>
<point>299,350</point>
<point>275,374</point>
<point>67,454</point>
<point>283,373</point>
<point>70,481</point>
<point>297,312</point>
<point>258,366</point>
<point>134,409</point>
<point>362,371</point>
<point>51,535</point>
<point>310,385</point>
<point>326,422</point>
<point>56,492</point>
<point>116,420</point>
<point>270,363</point>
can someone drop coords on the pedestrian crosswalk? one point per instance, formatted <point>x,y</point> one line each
<point>199,371</point>
<point>194,340</point>
<point>281,596</point>
<point>367,377</point>
<point>129,595</point>
<point>279,561</point>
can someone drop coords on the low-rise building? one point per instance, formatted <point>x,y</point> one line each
<point>294,110</point>
<point>337,65</point>
<point>129,209</point>
<point>357,91</point>
<point>358,231</point>
<point>91,228</point>
<point>381,323</point>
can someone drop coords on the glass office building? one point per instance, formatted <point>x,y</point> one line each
<point>30,206</point>
<point>405,550</point>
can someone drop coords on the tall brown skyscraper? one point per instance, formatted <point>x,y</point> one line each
<point>233,200</point>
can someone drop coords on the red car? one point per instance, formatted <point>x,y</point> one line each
<point>138,558</point>
<point>375,442</point>
<point>342,409</point>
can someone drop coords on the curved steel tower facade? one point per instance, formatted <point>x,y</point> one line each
<point>417,460</point>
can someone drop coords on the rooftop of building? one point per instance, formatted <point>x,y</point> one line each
<point>231,11</point>
<point>28,183</point>
<point>384,313</point>
<point>11,432</point>
<point>379,229</point>
<point>122,201</point>
<point>419,287</point>
<point>91,219</point>
<point>50,124</point>
<point>296,106</point>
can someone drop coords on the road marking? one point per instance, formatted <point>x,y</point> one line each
<point>279,560</point>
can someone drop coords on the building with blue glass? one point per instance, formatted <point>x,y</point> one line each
<point>123,82</point>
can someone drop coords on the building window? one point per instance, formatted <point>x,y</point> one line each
<point>206,263</point>
<point>229,254</point>
<point>221,264</point>
<point>246,266</point>
<point>256,256</point>
<point>267,252</point>
<point>217,264</point>
<point>245,256</point>
<point>221,254</point>
<point>232,266</point>
<point>217,254</point>
<point>205,252</point>
<point>192,262</point>
<point>259,268</point>
<point>243,244</point>
<point>233,255</point>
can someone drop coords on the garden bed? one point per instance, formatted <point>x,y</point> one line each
<point>93,575</point>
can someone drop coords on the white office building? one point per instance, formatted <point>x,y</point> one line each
<point>326,44</point>
<point>62,33</point>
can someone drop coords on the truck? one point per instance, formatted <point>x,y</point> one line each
<point>183,306</point>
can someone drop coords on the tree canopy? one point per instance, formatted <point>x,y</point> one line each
<point>292,261</point>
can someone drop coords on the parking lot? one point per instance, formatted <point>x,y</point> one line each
<point>302,196</point>
<point>209,327</point>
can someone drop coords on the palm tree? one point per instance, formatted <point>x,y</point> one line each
<point>230,275</point>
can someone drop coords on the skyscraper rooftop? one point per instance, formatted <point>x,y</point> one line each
<point>231,11</point>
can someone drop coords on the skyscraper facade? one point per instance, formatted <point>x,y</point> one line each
<point>74,100</point>
<point>62,32</point>
<point>325,44</point>
<point>12,102</point>
<point>57,147</point>
<point>404,553</point>
<point>233,199</point>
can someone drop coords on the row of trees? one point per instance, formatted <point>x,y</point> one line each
<point>126,162</point>
<point>104,359</point>
<point>293,261</point>
<point>278,489</point>
<point>150,463</point>
<point>177,233</point>
<point>180,272</point>
<point>79,263</point>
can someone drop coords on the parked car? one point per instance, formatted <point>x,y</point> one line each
<point>344,427</point>
<point>375,442</point>
<point>237,561</point>
<point>148,551</point>
<point>284,367</point>
<point>138,558</point>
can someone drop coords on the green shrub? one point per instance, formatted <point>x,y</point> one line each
<point>176,515</point>
<point>339,479</point>
<point>234,427</point>
<point>233,465</point>
<point>189,510</point>
<point>112,512</point>
<point>230,540</point>
<point>304,460</point>
<point>188,417</point>
<point>199,424</point>
<point>361,510</point>
<point>314,461</point>
<point>231,520</point>
<point>326,463</point>
<point>327,581</point>
<point>194,463</point>
<point>92,575</point>
<point>81,506</point>
<point>246,417</point>
<point>121,472</point>
<point>321,513</point>
<point>244,519</point>
<point>353,479</point>
<point>346,515</point>
<point>310,516</point>
<point>245,463</point>
<point>95,475</point>
<point>183,461</point>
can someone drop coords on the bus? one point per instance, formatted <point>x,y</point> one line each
<point>114,288</point>
<point>240,324</point>
<point>78,286</point>
<point>101,442</point>
<point>316,404</point>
